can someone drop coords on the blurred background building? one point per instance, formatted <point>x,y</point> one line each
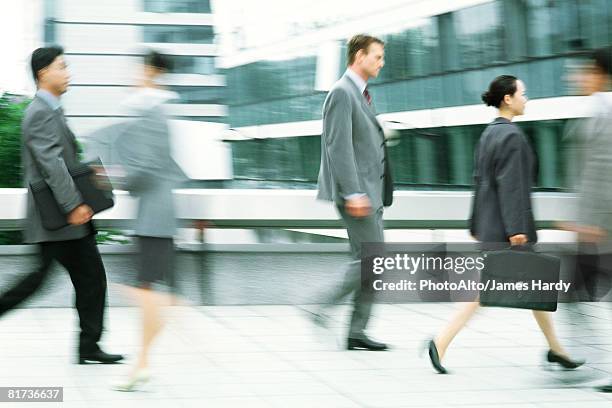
<point>440,57</point>
<point>262,70</point>
<point>103,42</point>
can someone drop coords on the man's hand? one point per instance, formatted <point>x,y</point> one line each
<point>518,239</point>
<point>591,234</point>
<point>358,207</point>
<point>586,233</point>
<point>80,215</point>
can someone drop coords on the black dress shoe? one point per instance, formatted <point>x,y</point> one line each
<point>605,388</point>
<point>565,362</point>
<point>100,357</point>
<point>365,343</point>
<point>434,357</point>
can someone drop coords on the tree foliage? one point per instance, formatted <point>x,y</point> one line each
<point>11,113</point>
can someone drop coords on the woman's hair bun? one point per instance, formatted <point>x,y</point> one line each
<point>486,98</point>
<point>500,87</point>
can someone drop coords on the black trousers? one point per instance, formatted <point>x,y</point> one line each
<point>84,264</point>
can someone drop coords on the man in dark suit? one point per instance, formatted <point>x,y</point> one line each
<point>355,174</point>
<point>49,149</point>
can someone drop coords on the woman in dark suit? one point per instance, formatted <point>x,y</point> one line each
<point>504,170</point>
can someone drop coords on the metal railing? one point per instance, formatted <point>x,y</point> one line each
<point>244,208</point>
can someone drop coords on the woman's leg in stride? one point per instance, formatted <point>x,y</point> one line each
<point>463,315</point>
<point>152,324</point>
<point>545,322</point>
<point>150,303</point>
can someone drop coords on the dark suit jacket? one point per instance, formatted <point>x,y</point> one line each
<point>504,171</point>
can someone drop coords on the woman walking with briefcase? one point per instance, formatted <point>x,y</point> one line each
<point>504,170</point>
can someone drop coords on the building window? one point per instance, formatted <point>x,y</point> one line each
<point>438,158</point>
<point>50,29</point>
<point>185,64</point>
<point>267,80</point>
<point>412,52</point>
<point>480,35</point>
<point>178,34</point>
<point>200,94</point>
<point>177,6</point>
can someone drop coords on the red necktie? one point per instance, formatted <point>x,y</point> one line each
<point>367,95</point>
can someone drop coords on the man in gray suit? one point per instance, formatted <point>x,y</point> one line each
<point>355,174</point>
<point>49,149</point>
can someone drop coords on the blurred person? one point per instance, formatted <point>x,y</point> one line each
<point>590,154</point>
<point>504,171</point>
<point>355,175</point>
<point>591,142</point>
<point>49,150</point>
<point>143,150</point>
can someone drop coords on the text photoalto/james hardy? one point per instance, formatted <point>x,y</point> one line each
<point>425,284</point>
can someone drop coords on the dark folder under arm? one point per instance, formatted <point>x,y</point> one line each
<point>53,218</point>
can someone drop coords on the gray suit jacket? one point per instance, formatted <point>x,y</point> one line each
<point>144,151</point>
<point>504,171</point>
<point>591,146</point>
<point>353,150</point>
<point>49,149</point>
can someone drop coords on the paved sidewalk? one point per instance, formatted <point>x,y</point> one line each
<point>271,356</point>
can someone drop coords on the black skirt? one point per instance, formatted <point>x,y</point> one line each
<point>156,263</point>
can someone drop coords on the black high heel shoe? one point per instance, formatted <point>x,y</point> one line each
<point>434,357</point>
<point>564,362</point>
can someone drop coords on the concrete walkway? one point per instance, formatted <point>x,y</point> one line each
<point>271,356</point>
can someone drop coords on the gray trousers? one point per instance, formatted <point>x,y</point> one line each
<point>360,230</point>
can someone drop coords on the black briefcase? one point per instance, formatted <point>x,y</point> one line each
<point>99,199</point>
<point>520,279</point>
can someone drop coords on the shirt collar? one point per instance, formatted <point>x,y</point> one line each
<point>51,100</point>
<point>501,119</point>
<point>361,84</point>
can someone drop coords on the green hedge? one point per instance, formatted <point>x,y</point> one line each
<point>11,113</point>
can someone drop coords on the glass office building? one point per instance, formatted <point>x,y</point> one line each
<point>443,62</point>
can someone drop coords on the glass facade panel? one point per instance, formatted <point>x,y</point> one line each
<point>178,34</point>
<point>480,35</point>
<point>594,22</point>
<point>410,53</point>
<point>184,64</point>
<point>540,17</point>
<point>439,158</point>
<point>200,94</point>
<point>445,60</point>
<point>177,6</point>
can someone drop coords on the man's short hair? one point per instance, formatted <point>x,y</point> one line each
<point>360,42</point>
<point>157,60</point>
<point>602,58</point>
<point>43,57</point>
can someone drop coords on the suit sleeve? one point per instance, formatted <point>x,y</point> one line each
<point>144,150</point>
<point>47,153</point>
<point>337,125</point>
<point>137,153</point>
<point>476,180</point>
<point>595,188</point>
<point>512,179</point>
